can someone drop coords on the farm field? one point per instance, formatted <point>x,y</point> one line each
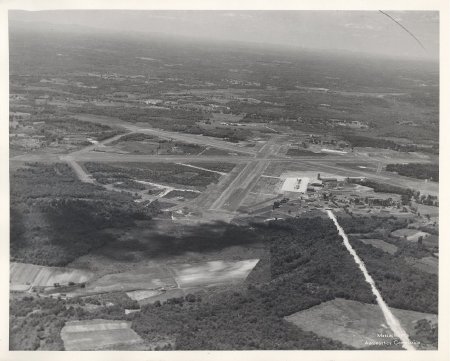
<point>147,282</point>
<point>143,278</point>
<point>378,243</point>
<point>99,334</point>
<point>23,274</point>
<point>356,324</point>
<point>212,273</point>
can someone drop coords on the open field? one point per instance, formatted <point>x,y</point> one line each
<point>99,335</point>
<point>154,281</point>
<point>378,243</point>
<point>428,210</point>
<point>143,294</point>
<point>212,273</point>
<point>139,279</point>
<point>267,185</point>
<point>172,175</point>
<point>412,235</point>
<point>356,324</point>
<point>296,152</point>
<point>221,168</point>
<point>427,264</point>
<point>28,274</point>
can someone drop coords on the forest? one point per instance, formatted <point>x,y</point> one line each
<point>401,285</point>
<point>55,218</point>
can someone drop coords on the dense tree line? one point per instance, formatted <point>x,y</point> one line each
<point>383,187</point>
<point>363,141</point>
<point>416,170</point>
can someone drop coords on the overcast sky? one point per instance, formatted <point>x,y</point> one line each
<point>358,31</point>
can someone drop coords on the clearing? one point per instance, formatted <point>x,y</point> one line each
<point>25,274</point>
<point>357,324</point>
<point>378,243</point>
<point>99,334</point>
<point>212,273</point>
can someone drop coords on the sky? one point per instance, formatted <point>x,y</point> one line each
<point>368,32</point>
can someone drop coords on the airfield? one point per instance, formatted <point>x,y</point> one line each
<point>258,170</point>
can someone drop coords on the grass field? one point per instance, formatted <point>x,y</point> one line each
<point>162,173</point>
<point>28,274</point>
<point>140,279</point>
<point>138,143</point>
<point>99,335</point>
<point>143,294</point>
<point>354,323</point>
<point>378,243</point>
<point>430,210</point>
<point>296,152</point>
<point>183,194</point>
<point>361,166</point>
<point>212,273</point>
<point>427,264</point>
<point>217,167</point>
<point>412,235</point>
<point>217,151</point>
